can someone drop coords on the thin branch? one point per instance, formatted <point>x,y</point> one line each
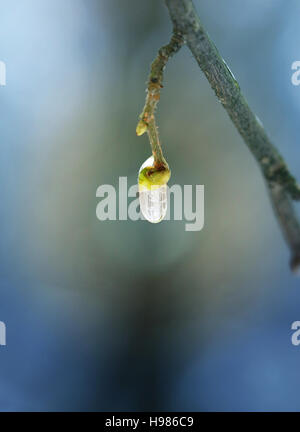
<point>155,84</point>
<point>282,185</point>
<point>285,212</point>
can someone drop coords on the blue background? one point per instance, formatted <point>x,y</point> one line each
<point>127,315</point>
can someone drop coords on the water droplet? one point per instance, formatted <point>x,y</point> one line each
<point>153,199</point>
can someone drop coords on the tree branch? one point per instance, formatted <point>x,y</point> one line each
<point>282,185</point>
<point>285,212</point>
<point>155,84</point>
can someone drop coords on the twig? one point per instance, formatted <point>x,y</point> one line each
<point>285,212</point>
<point>282,185</point>
<point>147,118</point>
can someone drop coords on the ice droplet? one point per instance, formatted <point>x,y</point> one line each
<point>153,200</point>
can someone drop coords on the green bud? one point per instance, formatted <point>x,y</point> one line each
<point>141,128</point>
<point>151,177</point>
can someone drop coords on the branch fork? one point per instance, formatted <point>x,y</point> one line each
<point>282,186</point>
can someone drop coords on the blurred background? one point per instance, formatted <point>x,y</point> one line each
<point>107,316</point>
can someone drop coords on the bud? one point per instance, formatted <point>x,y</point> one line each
<point>141,128</point>
<point>153,191</point>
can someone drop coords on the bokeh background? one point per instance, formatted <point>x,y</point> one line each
<point>108,316</point>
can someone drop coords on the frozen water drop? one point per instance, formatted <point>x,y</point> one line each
<point>153,199</point>
<point>153,203</point>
